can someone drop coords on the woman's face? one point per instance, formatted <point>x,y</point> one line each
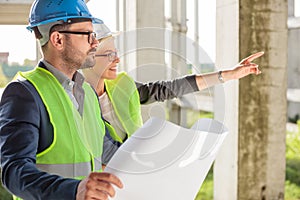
<point>106,59</point>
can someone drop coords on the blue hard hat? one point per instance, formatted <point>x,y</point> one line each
<point>48,11</point>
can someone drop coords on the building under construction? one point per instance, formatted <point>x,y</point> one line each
<point>154,45</point>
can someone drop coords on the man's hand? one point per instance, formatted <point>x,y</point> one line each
<point>98,185</point>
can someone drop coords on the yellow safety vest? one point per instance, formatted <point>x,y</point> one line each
<point>125,99</point>
<point>78,140</point>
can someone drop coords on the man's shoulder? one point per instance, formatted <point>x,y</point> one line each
<point>19,85</point>
<point>19,88</point>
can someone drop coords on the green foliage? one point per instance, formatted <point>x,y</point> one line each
<point>3,79</point>
<point>293,171</point>
<point>293,156</point>
<point>292,191</point>
<point>206,191</point>
<point>9,71</point>
<point>194,115</point>
<point>292,184</point>
<point>4,195</point>
<point>293,144</point>
<point>294,119</point>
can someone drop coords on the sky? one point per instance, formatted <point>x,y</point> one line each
<point>20,42</point>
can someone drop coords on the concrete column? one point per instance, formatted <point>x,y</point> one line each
<point>291,8</point>
<point>226,99</point>
<point>262,101</point>
<point>178,48</point>
<point>150,42</point>
<point>142,39</point>
<point>144,45</point>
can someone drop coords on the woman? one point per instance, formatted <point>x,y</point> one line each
<point>120,96</point>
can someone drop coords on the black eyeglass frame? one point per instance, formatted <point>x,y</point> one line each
<point>91,35</point>
<point>111,56</point>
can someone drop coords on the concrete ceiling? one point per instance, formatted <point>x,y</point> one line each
<point>15,12</point>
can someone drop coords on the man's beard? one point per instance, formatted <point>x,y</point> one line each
<point>90,61</point>
<point>74,57</point>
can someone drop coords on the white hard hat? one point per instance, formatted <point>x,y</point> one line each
<point>102,31</point>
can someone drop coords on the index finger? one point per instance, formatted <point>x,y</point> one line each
<point>252,57</point>
<point>108,177</point>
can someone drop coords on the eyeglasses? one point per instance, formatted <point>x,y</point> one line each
<point>91,35</point>
<point>111,56</point>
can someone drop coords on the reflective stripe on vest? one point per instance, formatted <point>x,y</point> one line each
<point>78,140</point>
<point>125,99</point>
<point>71,170</point>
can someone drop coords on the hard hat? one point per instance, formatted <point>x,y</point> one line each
<point>102,31</point>
<point>48,11</point>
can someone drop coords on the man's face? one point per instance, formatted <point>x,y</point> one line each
<point>79,47</point>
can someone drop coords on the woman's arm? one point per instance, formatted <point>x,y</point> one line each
<point>244,68</point>
<point>163,90</point>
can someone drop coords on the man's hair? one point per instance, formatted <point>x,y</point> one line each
<point>41,31</point>
<point>37,33</point>
<point>57,27</point>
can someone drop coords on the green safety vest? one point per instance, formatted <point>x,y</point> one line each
<point>78,140</point>
<point>125,100</point>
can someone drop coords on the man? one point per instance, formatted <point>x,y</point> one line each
<point>51,130</point>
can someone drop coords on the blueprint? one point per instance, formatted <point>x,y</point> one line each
<point>162,160</point>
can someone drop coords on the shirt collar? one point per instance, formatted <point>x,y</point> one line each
<point>62,78</point>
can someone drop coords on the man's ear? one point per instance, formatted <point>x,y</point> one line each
<point>56,40</point>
